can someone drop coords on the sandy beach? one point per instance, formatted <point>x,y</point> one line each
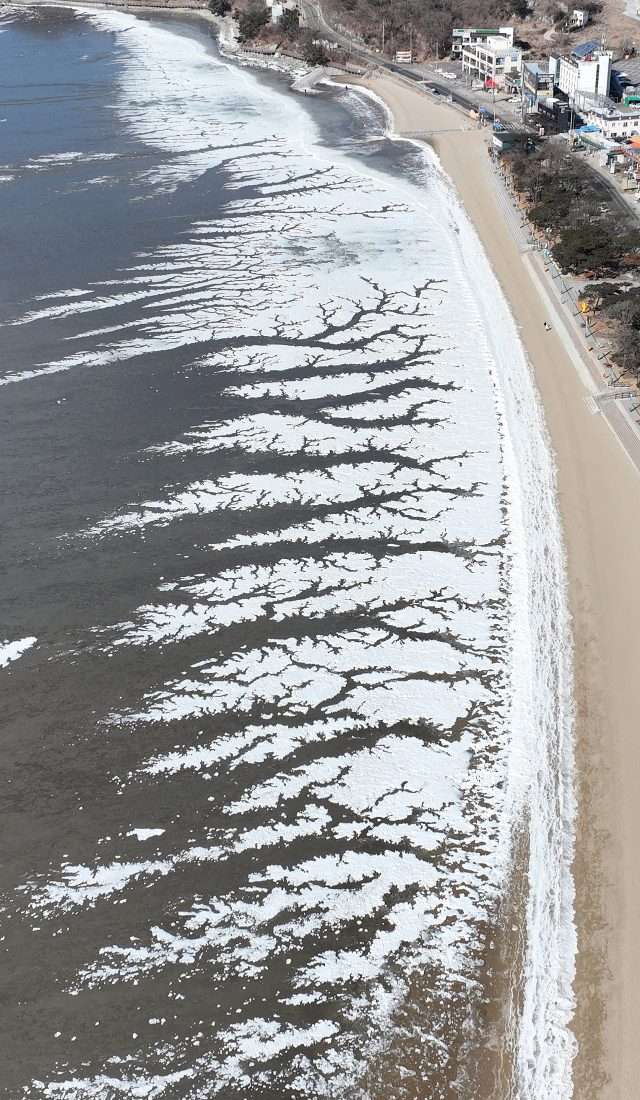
<point>361,939</point>
<point>599,498</point>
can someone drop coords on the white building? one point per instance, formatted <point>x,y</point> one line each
<point>617,124</point>
<point>278,8</point>
<point>492,60</point>
<point>587,69</point>
<point>579,18</point>
<point>466,36</point>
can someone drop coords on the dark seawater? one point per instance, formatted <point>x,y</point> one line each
<point>254,820</point>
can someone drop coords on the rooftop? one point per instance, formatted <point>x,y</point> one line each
<point>629,67</point>
<point>594,101</point>
<point>586,48</point>
<point>481,30</point>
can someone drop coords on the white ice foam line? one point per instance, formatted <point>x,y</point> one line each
<point>341,582</point>
<point>145,834</point>
<point>541,764</point>
<point>463,665</point>
<point>202,276</point>
<point>11,651</point>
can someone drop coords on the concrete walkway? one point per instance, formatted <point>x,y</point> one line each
<point>565,317</point>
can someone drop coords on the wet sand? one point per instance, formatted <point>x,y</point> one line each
<point>599,498</point>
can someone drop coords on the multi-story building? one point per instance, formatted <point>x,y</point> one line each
<point>536,81</point>
<point>556,112</point>
<point>462,36</point>
<point>586,69</point>
<point>492,61</point>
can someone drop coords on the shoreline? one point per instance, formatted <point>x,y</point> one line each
<point>599,502</point>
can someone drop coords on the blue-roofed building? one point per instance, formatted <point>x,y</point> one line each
<point>585,49</point>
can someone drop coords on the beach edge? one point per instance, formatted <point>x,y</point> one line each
<point>599,503</point>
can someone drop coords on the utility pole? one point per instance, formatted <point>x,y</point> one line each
<point>411,43</point>
<point>383,36</point>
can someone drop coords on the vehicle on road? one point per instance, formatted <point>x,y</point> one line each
<point>435,91</point>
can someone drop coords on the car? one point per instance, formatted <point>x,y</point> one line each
<point>435,91</point>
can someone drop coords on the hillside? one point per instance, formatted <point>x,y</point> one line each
<point>427,25</point>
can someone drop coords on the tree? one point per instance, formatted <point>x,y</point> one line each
<point>627,311</point>
<point>290,24</point>
<point>219,7</point>
<point>620,302</point>
<point>629,242</point>
<point>602,294</point>
<point>250,23</point>
<point>553,208</point>
<point>585,249</point>
<point>313,53</point>
<point>529,172</point>
<point>628,349</point>
<point>605,295</point>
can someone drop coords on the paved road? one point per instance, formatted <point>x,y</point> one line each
<point>606,181</point>
<point>315,20</point>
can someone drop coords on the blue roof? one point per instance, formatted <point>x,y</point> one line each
<point>586,48</point>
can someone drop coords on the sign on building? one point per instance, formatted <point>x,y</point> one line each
<point>403,57</point>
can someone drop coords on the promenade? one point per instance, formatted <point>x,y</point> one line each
<point>604,394</point>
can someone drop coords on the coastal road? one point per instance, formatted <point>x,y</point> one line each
<point>623,204</point>
<point>315,20</point>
